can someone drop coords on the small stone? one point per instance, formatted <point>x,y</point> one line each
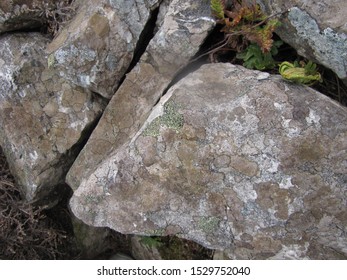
<point>263,76</point>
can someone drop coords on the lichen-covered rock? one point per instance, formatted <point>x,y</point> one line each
<point>27,14</point>
<point>182,28</point>
<point>42,116</point>
<point>254,167</point>
<point>318,31</point>
<point>95,50</point>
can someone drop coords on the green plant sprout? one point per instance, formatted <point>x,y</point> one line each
<point>300,72</point>
<point>254,58</point>
<point>150,242</point>
<point>242,25</point>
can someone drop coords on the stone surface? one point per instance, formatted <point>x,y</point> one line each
<point>256,168</point>
<point>95,50</point>
<point>316,29</point>
<point>182,28</point>
<point>42,116</point>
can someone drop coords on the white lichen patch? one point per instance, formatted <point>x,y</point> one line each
<point>313,119</point>
<point>291,130</point>
<point>105,175</point>
<point>286,182</point>
<point>245,192</point>
<point>273,166</point>
<point>33,156</point>
<point>291,252</point>
<point>6,78</point>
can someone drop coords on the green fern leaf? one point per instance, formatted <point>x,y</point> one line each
<point>310,68</point>
<point>254,58</point>
<point>217,7</point>
<point>150,242</point>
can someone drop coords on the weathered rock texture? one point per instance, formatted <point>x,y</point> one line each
<point>181,32</point>
<point>96,49</point>
<point>316,29</point>
<point>254,167</point>
<point>42,116</point>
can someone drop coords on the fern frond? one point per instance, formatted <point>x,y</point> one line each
<point>218,7</point>
<point>310,68</point>
<point>262,36</point>
<point>254,58</point>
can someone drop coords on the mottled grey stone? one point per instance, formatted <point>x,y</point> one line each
<point>42,116</point>
<point>95,50</point>
<point>256,168</point>
<point>180,34</point>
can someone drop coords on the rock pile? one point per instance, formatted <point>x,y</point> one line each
<point>247,164</point>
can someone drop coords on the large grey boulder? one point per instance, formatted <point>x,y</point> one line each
<point>96,48</point>
<point>42,116</point>
<point>182,28</point>
<point>317,30</point>
<point>251,166</point>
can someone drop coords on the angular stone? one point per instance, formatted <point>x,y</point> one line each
<point>318,31</point>
<point>42,116</point>
<point>182,30</point>
<point>95,50</point>
<point>256,168</point>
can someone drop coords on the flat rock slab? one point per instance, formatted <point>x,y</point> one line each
<point>254,167</point>
<point>42,116</point>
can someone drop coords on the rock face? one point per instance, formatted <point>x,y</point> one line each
<point>236,160</point>
<point>96,49</point>
<point>318,31</point>
<point>183,26</point>
<point>42,116</point>
<point>254,167</point>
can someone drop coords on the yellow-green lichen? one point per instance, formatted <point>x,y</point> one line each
<point>51,60</point>
<point>208,224</point>
<point>171,119</point>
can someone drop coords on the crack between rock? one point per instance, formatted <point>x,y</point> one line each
<point>146,36</point>
<point>195,63</point>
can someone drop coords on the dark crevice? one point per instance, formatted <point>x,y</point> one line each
<point>102,99</point>
<point>23,30</point>
<point>85,135</point>
<point>146,36</point>
<point>331,86</point>
<point>197,60</point>
<point>48,198</point>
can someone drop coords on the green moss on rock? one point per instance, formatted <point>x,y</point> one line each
<point>208,224</point>
<point>171,119</point>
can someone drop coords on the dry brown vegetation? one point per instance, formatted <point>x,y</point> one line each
<point>27,231</point>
